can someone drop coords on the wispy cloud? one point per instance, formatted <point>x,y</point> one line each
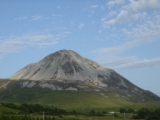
<point>139,5</point>
<point>39,40</point>
<point>17,43</point>
<point>21,18</point>
<point>94,6</point>
<point>38,17</point>
<point>111,14</point>
<point>139,64</point>
<point>34,17</point>
<point>113,2</point>
<point>123,47</point>
<point>128,63</point>
<point>124,16</point>
<point>81,26</point>
<point>133,11</point>
<point>56,15</point>
<point>9,46</point>
<point>111,56</point>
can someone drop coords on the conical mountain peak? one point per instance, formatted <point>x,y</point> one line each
<point>63,64</point>
<point>62,54</point>
<point>67,70</point>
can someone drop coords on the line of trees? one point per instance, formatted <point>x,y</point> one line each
<point>36,108</point>
<point>26,109</point>
<point>124,110</point>
<point>147,114</point>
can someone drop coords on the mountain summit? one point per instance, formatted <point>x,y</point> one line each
<point>67,70</point>
<point>63,65</point>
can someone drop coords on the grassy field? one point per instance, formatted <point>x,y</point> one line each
<point>119,116</point>
<point>72,100</point>
<point>7,110</point>
<point>10,112</point>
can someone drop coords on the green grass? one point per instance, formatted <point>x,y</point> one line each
<point>7,110</point>
<point>71,100</point>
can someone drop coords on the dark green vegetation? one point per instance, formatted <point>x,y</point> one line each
<point>147,114</point>
<point>36,108</point>
<point>47,112</point>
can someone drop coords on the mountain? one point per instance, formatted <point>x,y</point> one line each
<point>63,65</point>
<point>66,70</point>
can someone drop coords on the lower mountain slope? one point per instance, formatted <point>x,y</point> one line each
<point>72,100</point>
<point>130,94</point>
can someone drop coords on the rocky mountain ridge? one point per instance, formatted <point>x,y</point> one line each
<point>63,65</point>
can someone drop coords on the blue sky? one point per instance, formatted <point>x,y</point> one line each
<point>120,34</point>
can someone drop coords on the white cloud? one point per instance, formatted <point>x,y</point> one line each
<point>114,61</point>
<point>143,34</point>
<point>135,10</point>
<point>113,51</point>
<point>38,17</point>
<point>56,15</point>
<point>138,5</point>
<point>39,40</point>
<point>35,17</point>
<point>124,16</point>
<point>94,6</point>
<point>113,2</point>
<point>81,26</point>
<point>21,18</point>
<point>111,14</point>
<point>139,64</point>
<point>148,30</point>
<point>128,63</point>
<point>9,46</point>
<point>144,28</point>
<point>17,43</point>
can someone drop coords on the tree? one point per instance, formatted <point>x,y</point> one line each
<point>142,113</point>
<point>122,110</point>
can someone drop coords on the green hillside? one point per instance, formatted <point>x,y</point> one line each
<point>6,109</point>
<point>71,100</point>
